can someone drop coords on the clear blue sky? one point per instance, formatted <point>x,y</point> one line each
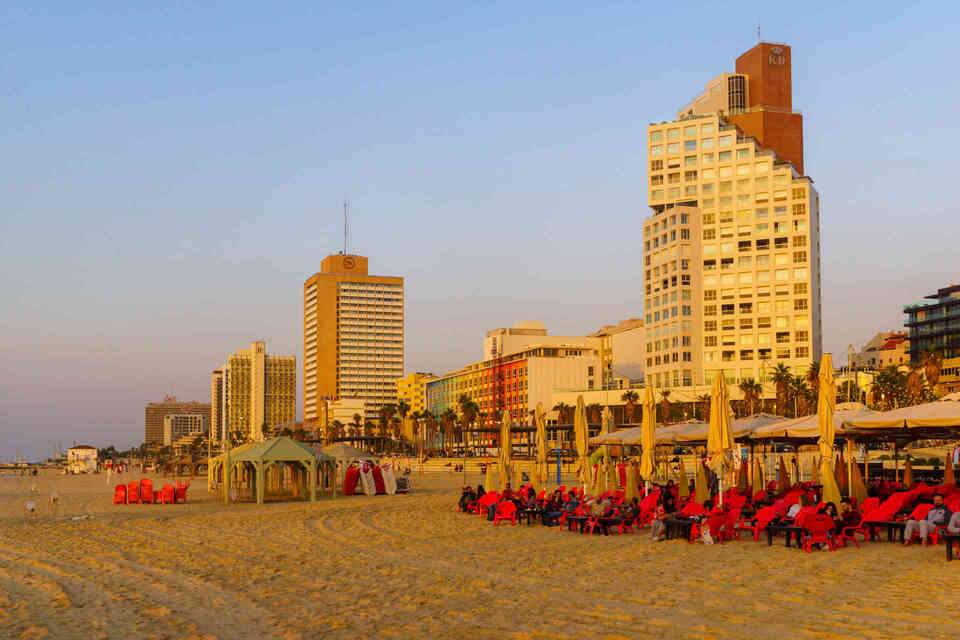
<point>170,176</point>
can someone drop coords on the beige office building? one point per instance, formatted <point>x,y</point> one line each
<point>257,389</point>
<point>216,404</point>
<point>731,256</point>
<point>353,337</point>
<point>412,389</point>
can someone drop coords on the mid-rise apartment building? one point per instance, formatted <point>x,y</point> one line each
<point>885,349</point>
<point>155,412</point>
<point>216,404</point>
<point>353,336</point>
<point>935,325</point>
<point>731,250</point>
<point>180,425</point>
<point>258,390</point>
<point>412,389</point>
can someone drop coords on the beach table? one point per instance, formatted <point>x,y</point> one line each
<point>948,540</point>
<point>677,527</point>
<point>579,520</point>
<point>530,513</point>
<point>789,532</point>
<point>890,525</point>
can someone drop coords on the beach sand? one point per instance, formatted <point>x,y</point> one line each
<point>411,566</point>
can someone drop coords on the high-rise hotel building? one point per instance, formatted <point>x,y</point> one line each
<point>352,337</point>
<point>732,248</point>
<point>253,390</point>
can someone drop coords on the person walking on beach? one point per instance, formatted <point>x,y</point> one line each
<point>938,516</point>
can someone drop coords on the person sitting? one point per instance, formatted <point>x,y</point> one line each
<point>572,502</point>
<point>795,508</point>
<point>467,497</point>
<point>506,495</point>
<point>849,517</point>
<point>954,525</point>
<point>667,499</point>
<point>552,509</point>
<point>938,516</point>
<point>658,528</point>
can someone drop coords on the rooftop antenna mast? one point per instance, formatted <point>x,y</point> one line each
<point>759,39</point>
<point>346,209</point>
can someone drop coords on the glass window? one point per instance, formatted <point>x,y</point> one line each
<point>656,136</point>
<point>761,183</point>
<point>761,167</point>
<point>781,258</point>
<point>707,158</point>
<point>709,174</point>
<point>725,156</point>
<point>743,154</point>
<point>746,261</point>
<point>673,147</point>
<point>689,145</point>
<point>707,143</point>
<point>762,276</point>
<point>799,274</point>
<point>708,203</point>
<point>762,214</point>
<point>725,141</point>
<point>799,225</point>
<point>782,274</point>
<point>673,134</point>
<point>690,190</point>
<point>690,131</point>
<point>656,150</point>
<point>690,161</point>
<point>656,194</point>
<point>763,227</point>
<point>743,169</point>
<point>707,129</point>
<point>726,172</point>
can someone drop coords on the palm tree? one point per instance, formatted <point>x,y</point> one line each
<point>396,428</point>
<point>448,418</point>
<point>403,409</point>
<point>664,406</point>
<point>751,393</point>
<point>782,378</point>
<point>630,399</point>
<point>386,412</point>
<point>915,386</point>
<point>593,410</point>
<point>336,431</point>
<point>563,411</point>
<point>703,401</point>
<point>889,388</point>
<point>801,396</point>
<point>931,363</point>
<point>813,376</point>
<point>368,428</point>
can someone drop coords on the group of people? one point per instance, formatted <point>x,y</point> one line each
<point>938,516</point>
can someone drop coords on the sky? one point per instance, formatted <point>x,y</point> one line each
<point>171,175</point>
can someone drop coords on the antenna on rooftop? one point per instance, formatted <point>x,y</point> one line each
<point>346,209</point>
<point>759,39</point>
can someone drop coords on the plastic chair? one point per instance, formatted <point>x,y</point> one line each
<point>919,512</point>
<point>133,492</point>
<point>168,494</point>
<point>120,494</point>
<point>180,495</point>
<point>870,504</point>
<point>146,491</point>
<point>760,522</point>
<point>506,512</point>
<point>487,499</point>
<point>850,533</point>
<point>817,528</point>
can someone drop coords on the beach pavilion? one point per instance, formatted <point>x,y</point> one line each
<point>253,462</point>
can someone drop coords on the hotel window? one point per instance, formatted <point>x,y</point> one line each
<point>689,131</point>
<point>763,307</point>
<point>745,246</point>
<point>799,274</point>
<point>746,354</point>
<point>800,288</point>
<point>799,194</point>
<point>799,256</point>
<point>656,179</point>
<point>779,227</point>
<point>710,341</point>
<point>710,325</point>
<point>762,184</point>
<point>782,322</point>
<point>707,143</point>
<point>726,247</point>
<point>707,129</point>
<point>781,259</point>
<point>763,323</point>
<point>685,233</point>
<point>710,295</point>
<point>726,172</point>
<point>726,201</point>
<point>674,193</point>
<point>706,158</point>
<point>743,154</point>
<point>726,187</point>
<point>799,241</point>
<point>709,218</point>
<point>783,354</point>
<point>746,292</point>
<point>656,150</point>
<point>656,165</point>
<point>684,264</point>
<point>782,306</point>
<point>762,276</point>
<point>709,174</point>
<point>763,338</point>
<point>743,170</point>
<point>689,145</point>
<point>803,352</point>
<point>729,325</point>
<point>799,225</point>
<point>690,161</point>
<point>746,261</point>
<point>710,310</point>
<point>783,289</point>
<point>673,178</point>
<point>724,156</point>
<point>725,141</point>
<point>801,336</point>
<point>744,230</point>
<point>799,209</point>
<point>761,167</point>
<point>673,147</point>
<point>728,356</point>
<point>746,324</point>
<point>656,136</point>
<point>673,163</point>
<point>800,305</point>
<point>783,337</point>
<point>779,212</point>
<point>763,227</point>
<point>727,309</point>
<point>746,307</point>
<point>780,194</point>
<point>656,194</point>
<point>684,218</point>
<point>803,322</point>
<point>708,203</point>
<point>673,134</point>
<point>689,176</point>
<point>727,294</point>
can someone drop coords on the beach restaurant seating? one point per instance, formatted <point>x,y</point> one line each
<point>180,494</point>
<point>120,494</point>
<point>759,523</point>
<point>817,528</point>
<point>168,494</point>
<point>506,512</point>
<point>850,533</point>
<point>146,491</point>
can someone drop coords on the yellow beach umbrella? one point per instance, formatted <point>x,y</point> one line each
<point>541,471</point>
<point>490,484</point>
<point>949,478</point>
<point>648,435</point>
<point>759,482</point>
<point>581,433</point>
<point>719,436</point>
<point>631,491</point>
<point>700,483</point>
<point>684,490</point>
<point>826,403</point>
<point>613,476</point>
<point>506,449</point>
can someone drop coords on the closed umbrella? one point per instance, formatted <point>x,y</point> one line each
<point>581,434</point>
<point>858,490</point>
<point>631,491</point>
<point>506,449</point>
<point>700,483</point>
<point>743,483</point>
<point>840,473</point>
<point>719,437</point>
<point>613,478</point>
<point>541,472</point>
<point>908,474</point>
<point>684,490</point>
<point>759,482</point>
<point>490,484</point>
<point>826,402</point>
<point>648,435</point>
<point>783,478</point>
<point>949,478</point>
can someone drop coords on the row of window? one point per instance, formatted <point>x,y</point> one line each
<point>688,131</point>
<point>779,322</point>
<point>747,339</point>
<point>780,353</point>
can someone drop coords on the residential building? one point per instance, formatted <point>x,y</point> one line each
<point>259,390</point>
<point>216,404</point>
<point>341,410</point>
<point>731,250</point>
<point>412,389</point>
<point>885,349</point>
<point>353,336</point>
<point>949,375</point>
<point>181,425</point>
<point>155,412</point>
<point>517,381</point>
<point>622,352</point>
<point>935,326</point>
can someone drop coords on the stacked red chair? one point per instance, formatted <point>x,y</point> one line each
<point>146,491</point>
<point>506,512</point>
<point>120,494</point>
<point>168,494</point>
<point>818,526</point>
<point>133,492</point>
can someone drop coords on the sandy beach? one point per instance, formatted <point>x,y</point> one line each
<point>411,566</point>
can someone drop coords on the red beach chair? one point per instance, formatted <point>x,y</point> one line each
<point>487,499</point>
<point>146,491</point>
<point>133,492</point>
<point>818,526</point>
<point>850,533</point>
<point>759,523</point>
<point>120,494</point>
<point>168,494</point>
<point>180,494</point>
<point>506,511</point>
